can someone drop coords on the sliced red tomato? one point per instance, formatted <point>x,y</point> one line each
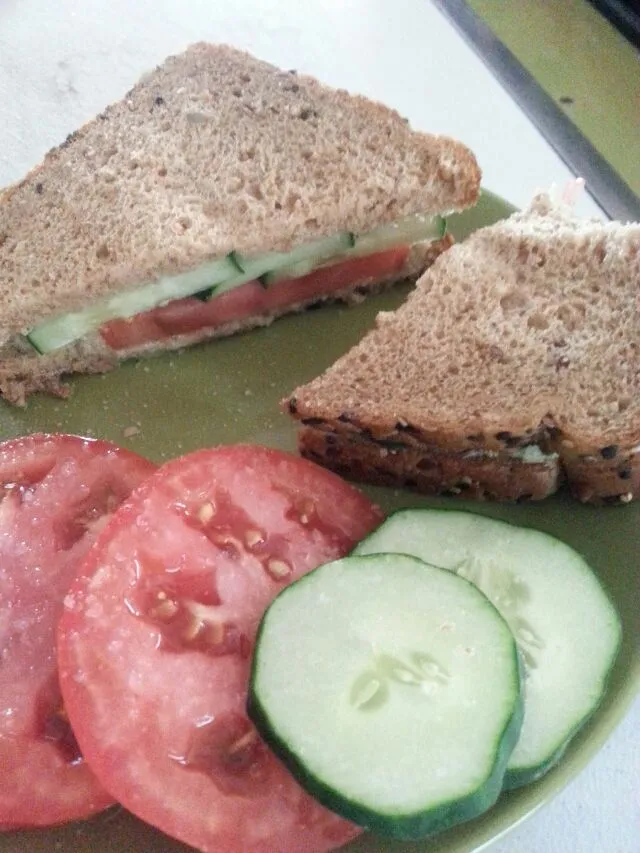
<point>328,280</point>
<point>156,640</point>
<point>56,492</point>
<point>185,316</point>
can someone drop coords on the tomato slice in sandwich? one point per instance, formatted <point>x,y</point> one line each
<point>189,315</point>
<point>156,640</point>
<point>56,492</point>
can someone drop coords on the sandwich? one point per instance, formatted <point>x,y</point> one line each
<point>217,195</point>
<point>514,365</point>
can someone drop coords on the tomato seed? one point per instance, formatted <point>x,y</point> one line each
<point>165,610</point>
<point>244,742</point>
<point>228,543</point>
<point>192,630</point>
<point>215,633</point>
<point>306,511</point>
<point>253,538</point>
<point>278,569</point>
<point>206,512</point>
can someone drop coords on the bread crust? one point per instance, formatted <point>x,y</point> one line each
<point>24,374</point>
<point>605,482</point>
<point>213,151</point>
<point>484,475</point>
<point>428,469</point>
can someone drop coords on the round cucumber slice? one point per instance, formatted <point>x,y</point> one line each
<point>565,625</point>
<point>391,689</point>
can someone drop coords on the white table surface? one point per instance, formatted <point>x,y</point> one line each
<point>61,62</point>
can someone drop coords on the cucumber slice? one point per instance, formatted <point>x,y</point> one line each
<point>398,703</point>
<point>312,254</point>
<point>67,328</point>
<point>404,232</point>
<point>293,271</point>
<point>234,258</point>
<point>566,627</point>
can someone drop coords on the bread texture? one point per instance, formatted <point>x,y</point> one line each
<point>513,366</point>
<point>211,152</point>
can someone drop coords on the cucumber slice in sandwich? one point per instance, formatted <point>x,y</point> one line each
<point>216,277</point>
<point>566,627</point>
<point>399,703</point>
<point>309,256</point>
<point>61,331</point>
<point>404,232</point>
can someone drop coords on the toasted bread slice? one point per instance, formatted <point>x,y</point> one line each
<point>213,152</point>
<point>515,364</point>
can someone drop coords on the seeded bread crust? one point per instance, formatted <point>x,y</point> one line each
<point>429,469</point>
<point>526,335</point>
<point>470,474</point>
<point>23,372</point>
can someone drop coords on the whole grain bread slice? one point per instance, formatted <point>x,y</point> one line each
<point>518,348</point>
<point>213,151</point>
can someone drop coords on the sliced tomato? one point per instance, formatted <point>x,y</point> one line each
<point>185,316</point>
<point>328,280</point>
<point>128,332</point>
<point>156,640</point>
<point>56,492</point>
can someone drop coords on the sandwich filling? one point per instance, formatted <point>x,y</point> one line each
<point>235,287</point>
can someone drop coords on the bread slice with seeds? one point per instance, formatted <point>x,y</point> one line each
<point>214,156</point>
<point>513,366</point>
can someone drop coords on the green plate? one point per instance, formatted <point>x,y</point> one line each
<point>228,391</point>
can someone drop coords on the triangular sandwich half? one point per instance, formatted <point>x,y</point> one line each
<point>204,203</point>
<point>514,364</point>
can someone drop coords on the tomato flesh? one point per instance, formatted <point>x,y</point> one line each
<point>161,626</point>
<point>189,315</point>
<point>55,493</point>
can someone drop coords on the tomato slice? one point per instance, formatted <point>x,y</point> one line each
<point>56,491</point>
<point>156,640</point>
<point>185,316</point>
<point>328,280</point>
